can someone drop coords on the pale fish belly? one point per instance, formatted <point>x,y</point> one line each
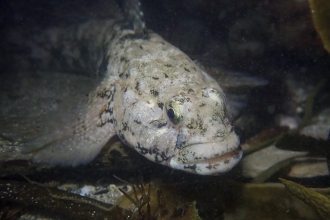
<point>151,94</point>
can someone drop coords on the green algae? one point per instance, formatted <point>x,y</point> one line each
<point>320,11</point>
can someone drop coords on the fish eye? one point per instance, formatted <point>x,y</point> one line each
<point>171,114</point>
<point>174,111</point>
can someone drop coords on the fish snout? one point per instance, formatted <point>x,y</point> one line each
<point>209,158</point>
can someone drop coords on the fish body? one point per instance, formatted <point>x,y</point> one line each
<point>152,95</point>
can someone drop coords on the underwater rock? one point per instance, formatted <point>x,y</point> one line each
<point>319,127</point>
<point>259,161</point>
<point>308,168</point>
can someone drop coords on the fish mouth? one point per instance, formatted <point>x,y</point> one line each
<point>208,158</point>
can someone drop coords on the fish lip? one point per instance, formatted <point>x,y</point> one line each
<point>220,157</point>
<point>232,152</point>
<point>208,158</point>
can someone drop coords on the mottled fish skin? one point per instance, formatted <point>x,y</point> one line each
<point>153,96</point>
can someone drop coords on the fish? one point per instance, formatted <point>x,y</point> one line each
<point>150,94</point>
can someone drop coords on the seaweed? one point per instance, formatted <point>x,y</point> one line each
<point>139,202</point>
<point>309,196</point>
<point>321,17</point>
<point>158,202</point>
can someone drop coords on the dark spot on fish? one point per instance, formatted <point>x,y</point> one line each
<point>179,142</point>
<point>154,92</point>
<point>186,70</point>
<point>137,85</point>
<point>204,94</point>
<point>141,47</point>
<point>122,137</point>
<point>142,150</point>
<point>105,93</point>
<point>181,101</point>
<point>168,65</point>
<point>155,78</point>
<point>137,122</point>
<point>109,109</point>
<point>190,167</point>
<point>160,105</point>
<point>125,126</point>
<point>191,91</point>
<point>122,59</point>
<point>203,131</point>
<point>202,105</point>
<point>216,117</point>
<point>160,157</point>
<point>161,125</point>
<point>127,75</point>
<point>121,74</point>
<point>166,76</point>
<point>212,166</point>
<point>112,94</point>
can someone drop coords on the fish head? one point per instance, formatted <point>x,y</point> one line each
<point>172,112</point>
<point>188,131</point>
<point>206,142</point>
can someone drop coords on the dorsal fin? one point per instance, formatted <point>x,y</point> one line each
<point>134,14</point>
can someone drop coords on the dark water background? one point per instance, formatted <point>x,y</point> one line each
<point>273,41</point>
